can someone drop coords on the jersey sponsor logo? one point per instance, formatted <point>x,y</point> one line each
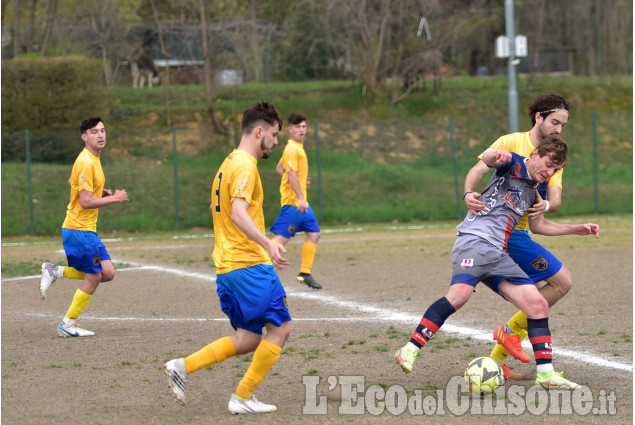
<point>540,263</point>
<point>96,260</point>
<point>291,228</point>
<point>466,263</point>
<point>241,184</point>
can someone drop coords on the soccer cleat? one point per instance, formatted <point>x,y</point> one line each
<point>555,380</point>
<point>238,405</point>
<point>71,329</point>
<point>406,357</point>
<point>177,378</point>
<point>49,275</point>
<point>511,344</point>
<point>509,374</point>
<point>308,280</point>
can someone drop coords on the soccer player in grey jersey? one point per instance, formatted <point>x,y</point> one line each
<point>479,254</point>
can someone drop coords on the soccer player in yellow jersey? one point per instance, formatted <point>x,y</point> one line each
<point>549,114</point>
<point>87,257</point>
<point>248,287</point>
<point>296,214</point>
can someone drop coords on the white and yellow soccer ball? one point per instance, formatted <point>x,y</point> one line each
<point>484,375</point>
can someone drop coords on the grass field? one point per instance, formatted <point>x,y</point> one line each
<point>377,281</point>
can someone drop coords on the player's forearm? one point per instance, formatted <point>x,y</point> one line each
<point>474,176</point>
<point>294,181</point>
<point>240,217</point>
<point>550,228</point>
<point>93,202</point>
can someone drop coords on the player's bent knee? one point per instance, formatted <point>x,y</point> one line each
<point>107,276</point>
<point>537,309</point>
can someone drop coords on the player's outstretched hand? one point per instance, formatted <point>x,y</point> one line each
<point>590,229</point>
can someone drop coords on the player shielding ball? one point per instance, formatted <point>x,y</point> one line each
<point>479,254</point>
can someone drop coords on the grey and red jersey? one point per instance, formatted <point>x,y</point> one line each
<point>507,197</point>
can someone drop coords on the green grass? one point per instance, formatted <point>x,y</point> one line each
<point>378,162</point>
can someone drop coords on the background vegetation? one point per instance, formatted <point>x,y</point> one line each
<point>379,162</point>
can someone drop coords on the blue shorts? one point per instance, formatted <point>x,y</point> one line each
<point>84,250</point>
<point>290,221</point>
<point>252,297</point>
<point>533,258</point>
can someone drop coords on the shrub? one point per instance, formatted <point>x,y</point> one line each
<point>49,94</point>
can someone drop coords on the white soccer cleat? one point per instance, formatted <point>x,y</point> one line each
<point>238,405</point>
<point>177,378</point>
<point>49,275</point>
<point>69,328</point>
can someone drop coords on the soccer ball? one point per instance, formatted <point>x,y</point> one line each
<point>484,375</point>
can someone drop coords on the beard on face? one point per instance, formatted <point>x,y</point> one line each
<point>263,148</point>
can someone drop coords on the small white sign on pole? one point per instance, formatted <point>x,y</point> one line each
<point>502,47</point>
<point>520,46</point>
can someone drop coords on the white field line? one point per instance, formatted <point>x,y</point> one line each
<point>377,314</point>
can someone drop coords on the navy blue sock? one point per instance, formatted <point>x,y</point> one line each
<point>431,321</point>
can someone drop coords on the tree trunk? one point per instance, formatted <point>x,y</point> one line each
<point>207,70</point>
<point>155,12</point>
<point>100,33</point>
<point>48,29</point>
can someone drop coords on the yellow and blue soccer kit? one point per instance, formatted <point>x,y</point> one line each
<point>249,289</point>
<point>290,220</point>
<point>84,250</point>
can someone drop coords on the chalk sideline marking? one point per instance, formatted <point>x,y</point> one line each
<point>378,314</point>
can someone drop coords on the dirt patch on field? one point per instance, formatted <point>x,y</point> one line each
<point>163,305</point>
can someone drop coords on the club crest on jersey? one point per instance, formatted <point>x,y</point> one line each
<point>540,263</point>
<point>467,263</point>
<point>513,195</point>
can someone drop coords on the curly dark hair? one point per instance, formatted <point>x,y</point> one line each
<point>545,104</point>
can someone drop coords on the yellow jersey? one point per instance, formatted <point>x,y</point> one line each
<point>88,175</point>
<point>237,177</point>
<point>519,143</point>
<point>293,158</point>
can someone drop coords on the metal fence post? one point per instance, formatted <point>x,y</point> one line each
<point>319,168</point>
<point>28,176</point>
<point>176,178</point>
<point>454,169</point>
<point>596,188</point>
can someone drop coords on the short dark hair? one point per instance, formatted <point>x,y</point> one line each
<point>89,123</point>
<point>545,104</point>
<point>260,112</point>
<point>295,119</point>
<point>554,147</point>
